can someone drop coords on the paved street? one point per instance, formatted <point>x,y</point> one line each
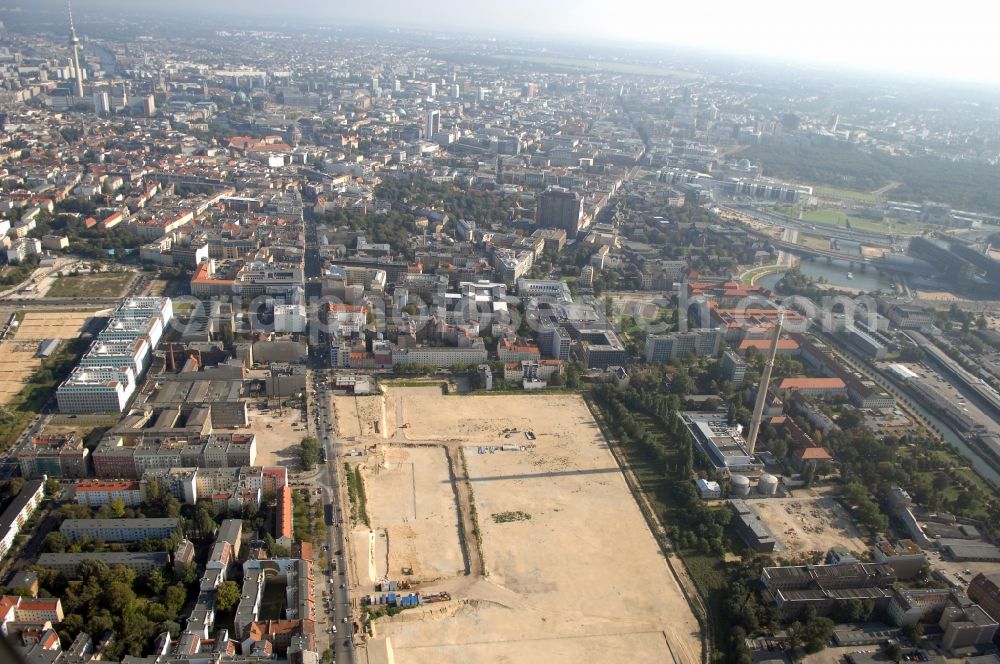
<point>336,576</point>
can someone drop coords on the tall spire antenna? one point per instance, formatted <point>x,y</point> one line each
<point>765,379</point>
<point>74,48</point>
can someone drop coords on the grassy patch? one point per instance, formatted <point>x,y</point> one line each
<point>102,284</point>
<point>375,612</point>
<point>846,194</point>
<point>508,517</point>
<point>831,217</point>
<point>814,241</point>
<point>752,275</point>
<point>308,523</point>
<point>356,494</point>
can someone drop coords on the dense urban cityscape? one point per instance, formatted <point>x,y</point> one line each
<point>326,343</point>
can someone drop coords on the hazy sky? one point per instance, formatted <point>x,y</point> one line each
<point>951,40</point>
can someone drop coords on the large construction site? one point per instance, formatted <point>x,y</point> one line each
<point>20,354</point>
<point>513,506</point>
<point>809,523</point>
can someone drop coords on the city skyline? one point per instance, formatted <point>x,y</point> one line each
<point>879,38</point>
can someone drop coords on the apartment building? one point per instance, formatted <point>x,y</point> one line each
<point>52,455</point>
<point>119,530</point>
<point>661,348</point>
<point>38,610</point>
<point>143,562</point>
<point>509,351</point>
<point>283,517</point>
<point>441,356</point>
<point>97,493</point>
<point>18,513</point>
<point>984,590</point>
<point>117,456</point>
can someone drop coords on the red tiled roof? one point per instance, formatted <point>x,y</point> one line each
<point>283,520</point>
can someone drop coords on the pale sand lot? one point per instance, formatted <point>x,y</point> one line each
<point>356,416</point>
<point>39,325</point>
<point>809,523</point>
<point>412,506</point>
<point>938,296</point>
<point>279,445</point>
<point>581,580</point>
<point>17,364</point>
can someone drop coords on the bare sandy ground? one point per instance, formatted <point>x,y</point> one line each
<point>17,364</point>
<point>39,325</point>
<point>580,579</point>
<point>809,523</point>
<point>356,417</point>
<point>937,296</point>
<point>412,508</point>
<point>279,444</point>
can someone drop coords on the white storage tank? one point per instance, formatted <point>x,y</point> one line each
<point>739,485</point>
<point>767,485</point>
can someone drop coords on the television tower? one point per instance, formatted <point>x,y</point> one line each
<point>74,47</point>
<point>765,379</point>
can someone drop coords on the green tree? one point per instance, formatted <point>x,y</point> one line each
<point>55,542</point>
<point>309,452</point>
<point>227,595</point>
<point>156,582</point>
<point>203,521</point>
<point>174,599</point>
<point>14,486</point>
<point>572,375</point>
<point>778,447</point>
<point>187,574</point>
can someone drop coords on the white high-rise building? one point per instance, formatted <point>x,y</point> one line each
<point>433,124</point>
<point>102,103</point>
<point>432,90</point>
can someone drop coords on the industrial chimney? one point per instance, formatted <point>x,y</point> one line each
<point>765,379</point>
